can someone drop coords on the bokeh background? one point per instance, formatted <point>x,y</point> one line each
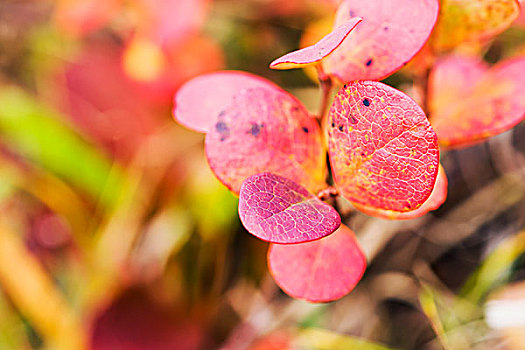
<point>114,234</point>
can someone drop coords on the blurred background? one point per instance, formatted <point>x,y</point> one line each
<point>114,234</point>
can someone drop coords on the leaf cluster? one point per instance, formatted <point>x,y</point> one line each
<point>383,147</point>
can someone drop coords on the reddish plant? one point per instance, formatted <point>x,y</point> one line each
<point>384,158</point>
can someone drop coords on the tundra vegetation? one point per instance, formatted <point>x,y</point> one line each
<point>260,174</point>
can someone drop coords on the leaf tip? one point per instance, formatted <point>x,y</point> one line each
<point>313,54</point>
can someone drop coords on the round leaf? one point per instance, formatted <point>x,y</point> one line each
<point>200,100</point>
<point>279,210</point>
<point>468,105</point>
<point>383,151</point>
<point>470,20</point>
<point>266,130</point>
<point>313,54</point>
<point>319,271</point>
<point>452,80</point>
<point>391,33</point>
<point>437,197</point>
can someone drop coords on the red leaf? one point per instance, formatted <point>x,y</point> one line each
<point>469,102</point>
<point>319,271</point>
<point>391,33</point>
<point>200,100</point>
<point>318,51</point>
<point>436,199</point>
<point>278,210</point>
<point>266,130</point>
<point>383,151</point>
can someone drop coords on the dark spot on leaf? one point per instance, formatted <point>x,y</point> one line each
<point>305,129</point>
<point>333,125</point>
<point>351,13</point>
<point>353,120</point>
<point>222,113</point>
<point>255,129</point>
<point>340,128</point>
<point>369,62</point>
<point>221,127</point>
<point>345,86</point>
<point>295,109</point>
<point>362,154</point>
<point>366,102</point>
<point>223,130</point>
<point>385,28</point>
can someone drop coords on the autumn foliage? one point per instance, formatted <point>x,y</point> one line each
<point>262,174</point>
<point>383,151</point>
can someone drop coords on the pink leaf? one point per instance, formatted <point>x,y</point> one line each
<point>391,33</point>
<point>200,100</point>
<point>452,80</point>
<point>319,271</point>
<point>318,51</point>
<point>436,199</point>
<point>266,130</point>
<point>467,105</point>
<point>383,151</point>
<point>279,210</point>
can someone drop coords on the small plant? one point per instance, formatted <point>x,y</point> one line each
<point>263,144</point>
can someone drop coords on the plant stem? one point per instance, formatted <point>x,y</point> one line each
<point>325,81</point>
<point>423,86</point>
<point>329,192</point>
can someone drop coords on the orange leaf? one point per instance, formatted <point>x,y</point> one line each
<point>471,20</point>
